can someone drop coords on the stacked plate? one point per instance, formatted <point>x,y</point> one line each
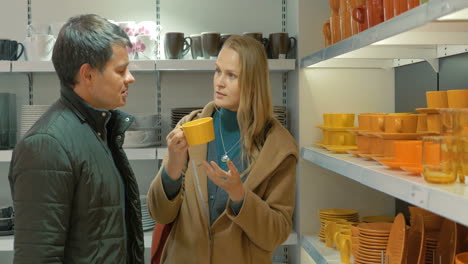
<point>369,241</point>
<point>431,243</point>
<point>178,113</point>
<point>281,114</point>
<point>7,221</point>
<point>326,215</point>
<point>29,115</point>
<point>146,220</point>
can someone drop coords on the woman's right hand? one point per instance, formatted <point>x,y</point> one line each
<point>178,155</point>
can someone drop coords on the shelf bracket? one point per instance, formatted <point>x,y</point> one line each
<point>450,50</point>
<point>434,62</point>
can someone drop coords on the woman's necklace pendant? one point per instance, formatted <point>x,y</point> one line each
<point>224,158</point>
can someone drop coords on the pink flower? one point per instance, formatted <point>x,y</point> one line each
<point>139,46</point>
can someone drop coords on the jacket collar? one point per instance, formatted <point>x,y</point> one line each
<point>98,119</point>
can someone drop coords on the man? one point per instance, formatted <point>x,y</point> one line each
<point>75,195</point>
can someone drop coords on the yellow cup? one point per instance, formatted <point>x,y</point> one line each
<point>199,131</point>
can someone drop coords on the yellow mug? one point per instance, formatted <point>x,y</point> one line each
<point>199,131</point>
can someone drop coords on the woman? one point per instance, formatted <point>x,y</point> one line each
<point>238,207</point>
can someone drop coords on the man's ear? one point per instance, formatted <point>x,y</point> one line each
<point>85,74</point>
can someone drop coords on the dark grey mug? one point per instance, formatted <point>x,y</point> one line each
<point>210,44</point>
<point>279,44</point>
<point>10,50</point>
<point>223,39</point>
<point>258,36</point>
<point>175,45</point>
<point>196,46</point>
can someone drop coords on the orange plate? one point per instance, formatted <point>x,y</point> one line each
<point>394,164</point>
<point>413,169</point>
<point>447,245</point>
<point>400,136</point>
<point>428,110</point>
<point>396,240</point>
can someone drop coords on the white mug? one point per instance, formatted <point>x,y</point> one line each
<point>128,26</point>
<point>39,47</point>
<point>146,47</point>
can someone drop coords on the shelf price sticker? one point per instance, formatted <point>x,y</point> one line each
<point>418,195</point>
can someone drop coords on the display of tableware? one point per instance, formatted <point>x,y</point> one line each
<point>39,47</point>
<point>343,216</point>
<point>388,9</point>
<point>145,47</point>
<point>280,44</point>
<point>400,6</point>
<point>210,44</point>
<point>457,98</point>
<point>377,219</point>
<point>29,115</point>
<point>447,244</point>
<point>176,46</point>
<point>415,249</point>
<point>439,159</point>
<point>7,220</point>
<point>345,19</point>
<point>408,153</point>
<point>436,99</point>
<point>461,258</point>
<point>360,16</point>
<point>326,30</point>
<point>10,50</point>
<point>375,12</point>
<point>196,47</point>
<point>396,241</point>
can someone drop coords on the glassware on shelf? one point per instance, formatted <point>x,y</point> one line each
<point>345,19</point>
<point>360,16</point>
<point>335,21</point>
<point>327,32</point>
<point>440,163</point>
<point>375,12</point>
<point>389,10</point>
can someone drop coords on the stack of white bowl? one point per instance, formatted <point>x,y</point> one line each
<point>146,220</point>
<point>29,115</point>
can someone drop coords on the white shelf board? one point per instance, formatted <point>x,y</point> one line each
<point>317,250</point>
<point>5,66</point>
<point>142,65</point>
<point>209,65</point>
<point>32,66</point>
<point>292,239</point>
<point>399,184</point>
<point>414,27</point>
<point>141,153</point>
<point>5,155</point>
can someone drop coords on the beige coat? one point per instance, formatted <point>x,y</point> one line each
<point>263,223</point>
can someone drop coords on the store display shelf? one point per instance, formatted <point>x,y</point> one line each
<point>142,65</point>
<point>450,201</point>
<point>318,251</point>
<point>411,35</point>
<point>5,66</point>
<point>145,65</point>
<point>209,65</point>
<point>132,154</point>
<point>32,66</point>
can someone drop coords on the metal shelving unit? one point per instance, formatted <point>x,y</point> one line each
<point>422,33</point>
<point>399,184</point>
<point>280,65</point>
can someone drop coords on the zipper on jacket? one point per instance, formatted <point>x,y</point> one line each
<point>205,209</point>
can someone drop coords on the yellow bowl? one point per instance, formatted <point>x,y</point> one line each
<point>199,131</point>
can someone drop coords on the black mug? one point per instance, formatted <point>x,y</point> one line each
<point>9,50</point>
<point>175,45</point>
<point>279,44</point>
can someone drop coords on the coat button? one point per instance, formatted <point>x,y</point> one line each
<point>127,119</point>
<point>119,137</point>
<point>103,114</point>
<point>99,133</point>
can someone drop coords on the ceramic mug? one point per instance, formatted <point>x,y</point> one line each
<point>360,16</point>
<point>146,47</point>
<point>210,44</point>
<point>199,131</point>
<point>39,47</point>
<point>279,44</point>
<point>175,45</point>
<point>10,49</point>
<point>436,99</point>
<point>196,47</point>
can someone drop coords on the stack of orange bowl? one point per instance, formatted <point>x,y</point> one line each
<point>329,218</point>
<point>335,133</point>
<point>369,241</point>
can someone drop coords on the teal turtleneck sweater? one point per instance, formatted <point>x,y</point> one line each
<point>226,130</point>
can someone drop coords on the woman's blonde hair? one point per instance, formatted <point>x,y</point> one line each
<point>255,113</point>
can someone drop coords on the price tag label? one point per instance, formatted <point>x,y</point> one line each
<point>419,195</point>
